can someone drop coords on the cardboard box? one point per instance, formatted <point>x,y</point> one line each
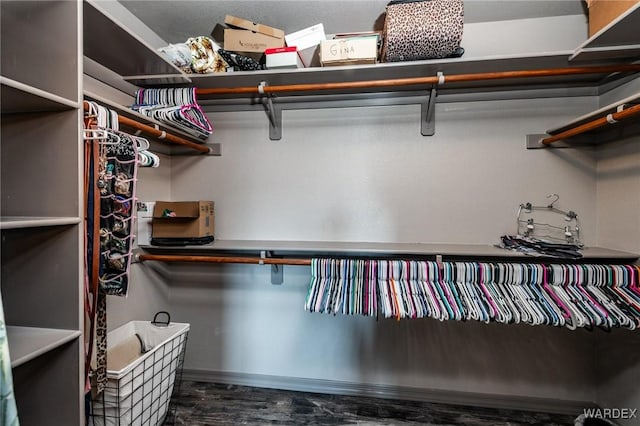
<point>192,219</point>
<point>249,41</point>
<point>252,26</point>
<point>307,41</point>
<point>282,57</point>
<point>349,51</point>
<point>602,12</point>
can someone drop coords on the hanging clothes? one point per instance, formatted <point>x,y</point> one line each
<point>572,296</point>
<point>117,171</point>
<point>111,161</point>
<point>177,107</point>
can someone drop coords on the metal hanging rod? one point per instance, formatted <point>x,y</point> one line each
<point>594,124</point>
<point>440,79</point>
<point>157,133</point>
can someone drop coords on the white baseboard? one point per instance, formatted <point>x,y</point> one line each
<point>546,405</point>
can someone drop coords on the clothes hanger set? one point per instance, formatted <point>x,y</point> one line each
<point>561,226</point>
<point>113,171</point>
<point>177,107</point>
<point>562,295</point>
<point>102,124</point>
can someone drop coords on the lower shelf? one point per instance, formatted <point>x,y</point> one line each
<point>333,248</point>
<point>27,343</point>
<point>15,222</point>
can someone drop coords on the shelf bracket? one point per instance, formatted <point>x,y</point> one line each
<point>274,113</point>
<point>535,142</point>
<point>428,114</point>
<point>277,271</point>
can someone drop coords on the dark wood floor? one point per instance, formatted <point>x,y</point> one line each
<point>201,404</point>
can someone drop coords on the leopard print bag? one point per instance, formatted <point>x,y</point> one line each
<point>415,30</point>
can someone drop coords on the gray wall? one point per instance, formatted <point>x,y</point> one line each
<point>618,226</point>
<point>366,174</point>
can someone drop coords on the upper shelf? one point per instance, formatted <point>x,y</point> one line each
<point>108,42</point>
<point>618,40</point>
<point>414,69</point>
<point>138,63</point>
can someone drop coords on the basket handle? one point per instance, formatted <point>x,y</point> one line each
<point>161,323</point>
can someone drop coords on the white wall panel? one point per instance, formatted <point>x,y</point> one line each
<point>366,174</point>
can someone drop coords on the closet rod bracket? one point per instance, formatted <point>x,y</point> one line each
<point>274,113</point>
<point>428,114</point>
<point>535,142</point>
<point>277,271</point>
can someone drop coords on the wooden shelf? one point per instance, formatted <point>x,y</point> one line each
<point>15,222</point>
<point>332,248</point>
<point>108,42</point>
<point>618,40</point>
<point>27,343</point>
<point>17,97</point>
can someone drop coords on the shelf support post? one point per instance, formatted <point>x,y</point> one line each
<point>277,271</point>
<point>428,114</point>
<point>274,113</point>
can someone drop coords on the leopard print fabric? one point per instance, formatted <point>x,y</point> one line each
<point>101,343</point>
<point>422,29</point>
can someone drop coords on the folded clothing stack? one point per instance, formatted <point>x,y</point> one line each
<point>537,247</point>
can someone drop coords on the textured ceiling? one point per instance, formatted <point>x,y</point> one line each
<point>177,20</point>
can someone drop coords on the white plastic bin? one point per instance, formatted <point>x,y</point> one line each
<point>139,394</point>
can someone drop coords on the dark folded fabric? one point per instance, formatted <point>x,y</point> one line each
<point>181,241</point>
<point>536,247</point>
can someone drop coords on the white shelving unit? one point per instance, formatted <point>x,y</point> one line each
<point>41,208</point>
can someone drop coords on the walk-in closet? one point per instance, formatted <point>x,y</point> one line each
<point>366,218</point>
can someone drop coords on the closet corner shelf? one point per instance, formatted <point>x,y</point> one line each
<point>334,248</point>
<point>16,222</point>
<point>17,97</point>
<point>164,147</point>
<point>616,121</point>
<point>27,343</point>
<point>618,40</point>
<point>108,41</point>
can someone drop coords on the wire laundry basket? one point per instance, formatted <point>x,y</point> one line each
<point>140,394</point>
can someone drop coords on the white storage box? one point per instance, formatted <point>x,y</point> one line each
<point>139,393</point>
<point>307,41</point>
<point>282,57</point>
<point>349,51</point>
